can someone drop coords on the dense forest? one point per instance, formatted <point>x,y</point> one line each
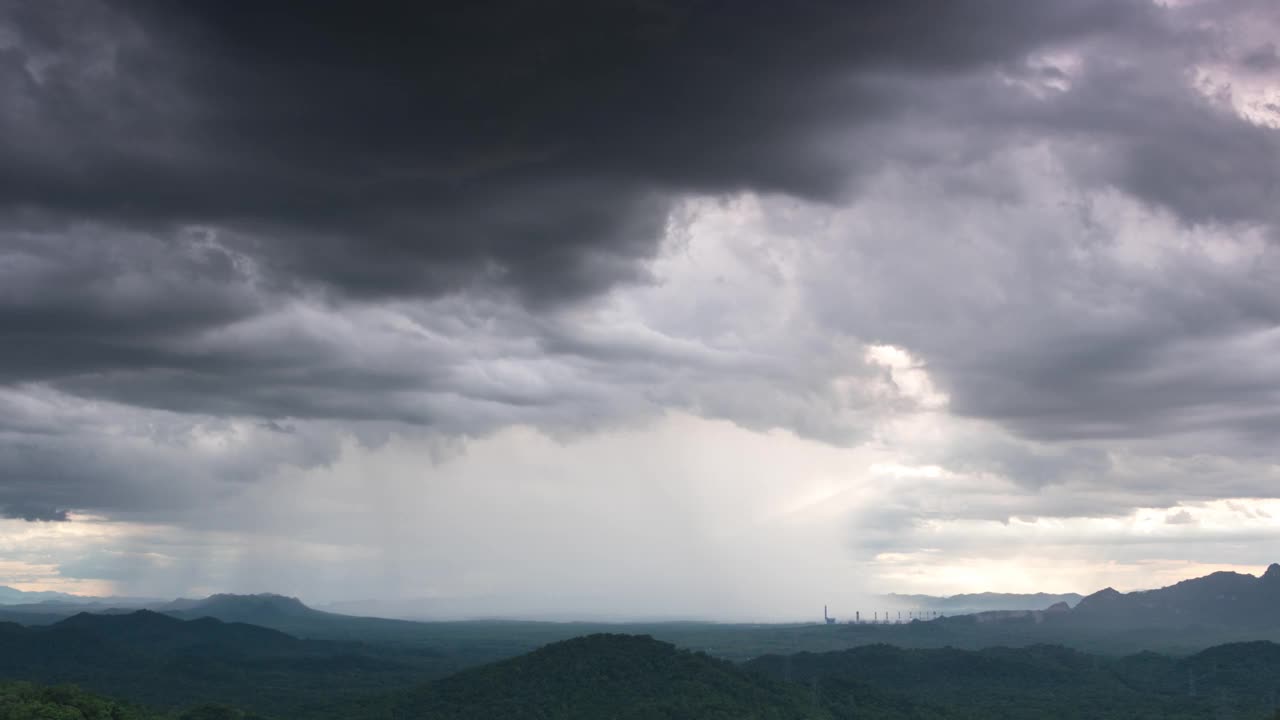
<point>1240,680</point>
<point>626,677</point>
<point>26,701</point>
<point>165,662</point>
<point>639,677</point>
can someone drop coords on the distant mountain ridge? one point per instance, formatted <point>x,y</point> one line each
<point>1225,600</point>
<point>281,612</point>
<point>1213,610</point>
<point>981,602</point>
<point>158,631</point>
<point>228,607</point>
<point>37,599</point>
<point>1219,599</point>
<point>14,596</point>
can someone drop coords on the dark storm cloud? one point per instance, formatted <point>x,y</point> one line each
<point>416,148</point>
<point>388,212</point>
<point>58,453</point>
<point>85,299</point>
<point>1080,325</point>
<point>1174,147</point>
<point>167,170</point>
<point>32,511</point>
<point>1063,316</point>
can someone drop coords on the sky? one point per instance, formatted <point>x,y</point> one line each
<point>637,309</point>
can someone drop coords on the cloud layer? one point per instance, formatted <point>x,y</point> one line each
<point>1029,247</point>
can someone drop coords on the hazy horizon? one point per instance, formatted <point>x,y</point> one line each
<point>497,608</point>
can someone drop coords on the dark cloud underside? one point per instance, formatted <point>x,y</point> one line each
<point>358,214</point>
<point>418,147</point>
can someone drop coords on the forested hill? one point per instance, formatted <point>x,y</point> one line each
<point>155,659</point>
<point>1239,680</point>
<point>281,612</point>
<point>26,701</point>
<point>620,677</point>
<point>172,665</point>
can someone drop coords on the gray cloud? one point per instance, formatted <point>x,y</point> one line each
<point>535,147</point>
<point>32,511</point>
<point>1261,58</point>
<point>234,238</point>
<point>1069,314</point>
<point>60,453</point>
<point>236,189</point>
<point>175,175</point>
<point>87,299</point>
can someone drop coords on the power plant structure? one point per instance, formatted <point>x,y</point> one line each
<point>889,617</point>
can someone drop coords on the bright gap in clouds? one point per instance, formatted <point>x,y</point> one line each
<point>684,518</point>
